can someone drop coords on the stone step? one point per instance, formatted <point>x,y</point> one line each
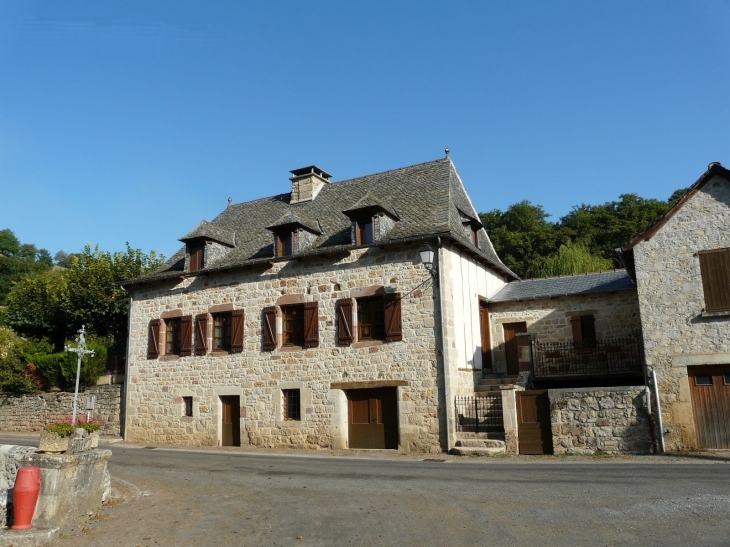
<point>479,447</point>
<point>505,380</point>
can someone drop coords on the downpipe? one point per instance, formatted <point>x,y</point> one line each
<point>658,410</point>
<point>444,353</point>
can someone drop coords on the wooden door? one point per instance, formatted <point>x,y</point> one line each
<point>231,421</point>
<point>373,418</point>
<point>710,387</point>
<point>511,330</point>
<point>534,433</point>
<point>486,338</point>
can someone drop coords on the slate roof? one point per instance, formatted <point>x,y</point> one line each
<point>426,196</point>
<point>296,217</point>
<point>566,285</point>
<point>368,201</point>
<point>206,230</point>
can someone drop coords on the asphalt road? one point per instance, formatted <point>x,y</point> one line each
<point>184,498</point>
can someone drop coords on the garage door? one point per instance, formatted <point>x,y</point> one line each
<point>710,386</point>
<point>373,418</point>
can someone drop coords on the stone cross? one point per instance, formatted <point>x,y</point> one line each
<point>81,350</point>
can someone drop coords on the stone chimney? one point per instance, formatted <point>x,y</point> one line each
<point>307,182</point>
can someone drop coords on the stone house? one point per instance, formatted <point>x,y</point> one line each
<point>681,265</point>
<point>309,318</point>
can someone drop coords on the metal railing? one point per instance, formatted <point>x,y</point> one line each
<point>480,413</point>
<point>607,357</point>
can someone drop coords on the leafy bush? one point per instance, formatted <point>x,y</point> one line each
<point>14,373</point>
<point>59,369</point>
<point>89,425</point>
<point>63,429</point>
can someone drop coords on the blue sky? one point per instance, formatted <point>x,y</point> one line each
<point>133,121</point>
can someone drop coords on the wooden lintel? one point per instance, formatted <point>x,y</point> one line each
<point>368,384</point>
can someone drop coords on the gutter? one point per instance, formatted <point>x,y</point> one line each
<point>444,352</point>
<point>127,366</point>
<point>267,260</point>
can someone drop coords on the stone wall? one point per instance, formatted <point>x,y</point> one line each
<point>608,419</point>
<point>156,387</point>
<point>548,319</point>
<point>676,333</point>
<point>29,413</point>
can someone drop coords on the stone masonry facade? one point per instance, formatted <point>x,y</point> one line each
<point>29,413</point>
<point>609,419</point>
<point>548,319</point>
<point>156,387</point>
<point>676,332</point>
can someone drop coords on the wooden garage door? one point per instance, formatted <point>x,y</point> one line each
<point>373,418</point>
<point>710,387</point>
<point>534,433</point>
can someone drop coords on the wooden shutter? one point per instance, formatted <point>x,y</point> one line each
<point>153,342</point>
<point>237,320</point>
<point>588,329</point>
<point>393,327</point>
<point>195,262</point>
<point>344,316</point>
<point>201,334</point>
<point>311,325</point>
<point>186,335</point>
<point>577,332</point>
<point>268,326</point>
<point>715,269</point>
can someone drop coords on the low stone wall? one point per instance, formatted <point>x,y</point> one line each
<point>27,413</point>
<point>606,419</point>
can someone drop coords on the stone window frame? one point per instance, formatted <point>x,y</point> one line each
<point>297,299</point>
<point>179,404</point>
<point>211,312</point>
<point>363,293</point>
<point>164,317</point>
<point>305,403</point>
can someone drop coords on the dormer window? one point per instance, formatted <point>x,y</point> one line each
<point>196,256</point>
<point>285,242</point>
<point>474,236</point>
<point>364,231</point>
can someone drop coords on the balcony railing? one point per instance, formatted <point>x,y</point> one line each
<point>619,356</point>
<point>480,414</point>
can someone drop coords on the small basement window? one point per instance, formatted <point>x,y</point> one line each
<point>292,401</point>
<point>703,379</point>
<point>172,341</point>
<point>188,406</point>
<point>222,331</point>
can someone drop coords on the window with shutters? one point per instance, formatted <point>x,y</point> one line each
<point>584,330</point>
<point>153,339</point>
<point>371,318</point>
<point>172,336</point>
<point>292,325</point>
<point>195,258</point>
<point>715,270</point>
<point>222,323</point>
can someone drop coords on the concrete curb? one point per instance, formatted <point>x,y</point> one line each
<point>34,537</point>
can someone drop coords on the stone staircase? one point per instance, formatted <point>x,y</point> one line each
<point>479,447</point>
<point>492,382</point>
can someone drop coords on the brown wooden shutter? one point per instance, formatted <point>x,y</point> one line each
<point>268,326</point>
<point>715,269</point>
<point>186,335</point>
<point>311,324</point>
<point>588,329</point>
<point>153,342</point>
<point>344,316</point>
<point>393,327</point>
<point>577,332</point>
<point>237,321</point>
<point>201,334</point>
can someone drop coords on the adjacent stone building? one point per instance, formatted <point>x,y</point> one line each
<point>681,265</point>
<point>308,318</point>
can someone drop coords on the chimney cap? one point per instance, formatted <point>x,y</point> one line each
<point>312,169</point>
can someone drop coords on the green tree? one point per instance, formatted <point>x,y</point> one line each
<point>520,235</point>
<point>15,376</point>
<point>572,258</point>
<point>9,244</point>
<point>44,257</point>
<point>38,306</point>
<point>28,251</point>
<point>62,258</point>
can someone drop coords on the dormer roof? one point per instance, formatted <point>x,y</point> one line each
<point>370,204</point>
<point>295,218</point>
<point>205,231</point>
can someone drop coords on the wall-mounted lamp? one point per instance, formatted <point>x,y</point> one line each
<point>426,253</point>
